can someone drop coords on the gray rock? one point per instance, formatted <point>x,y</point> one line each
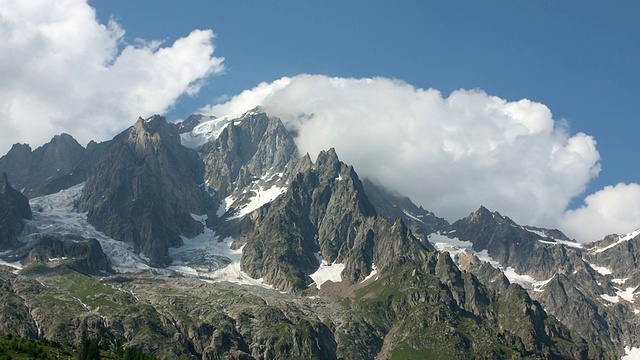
<point>82,255</point>
<point>145,188</point>
<point>245,151</point>
<point>14,209</point>
<point>34,171</point>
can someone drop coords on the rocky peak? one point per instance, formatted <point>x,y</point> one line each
<point>145,188</point>
<point>485,215</point>
<point>147,134</point>
<point>19,153</point>
<point>14,198</point>
<point>34,171</point>
<point>329,162</point>
<point>481,214</point>
<point>14,208</point>
<point>63,139</point>
<point>254,146</point>
<point>325,211</point>
<point>514,246</point>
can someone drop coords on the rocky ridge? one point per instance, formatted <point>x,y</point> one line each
<point>33,171</point>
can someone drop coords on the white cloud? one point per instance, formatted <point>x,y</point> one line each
<point>63,71</point>
<point>614,209</point>
<point>449,154</point>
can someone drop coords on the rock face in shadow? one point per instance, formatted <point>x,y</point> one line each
<point>145,188</point>
<point>36,172</point>
<point>14,209</point>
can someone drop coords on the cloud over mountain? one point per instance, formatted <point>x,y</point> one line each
<point>64,71</point>
<point>614,209</point>
<point>450,154</point>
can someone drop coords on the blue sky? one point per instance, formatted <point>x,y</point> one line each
<point>484,136</point>
<point>580,58</point>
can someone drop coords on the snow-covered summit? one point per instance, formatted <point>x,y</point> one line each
<point>211,127</point>
<point>207,131</point>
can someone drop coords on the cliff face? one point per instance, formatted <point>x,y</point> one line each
<point>248,148</point>
<point>323,212</point>
<point>145,188</point>
<point>14,209</point>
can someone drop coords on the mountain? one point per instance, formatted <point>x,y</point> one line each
<point>559,273</point>
<point>14,209</point>
<point>144,189</point>
<point>32,171</point>
<point>215,238</point>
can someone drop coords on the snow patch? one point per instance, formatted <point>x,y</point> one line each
<point>262,196</point>
<point>327,272</point>
<point>525,281</point>
<point>563,242</point>
<point>225,206</point>
<point>16,265</point>
<point>374,272</point>
<point>412,216</point>
<point>57,259</point>
<point>627,294</point>
<point>609,298</point>
<point>206,131</point>
<point>619,281</point>
<point>552,240</point>
<point>484,256</point>
<point>621,239</point>
<point>631,353</point>
<point>453,245</point>
<point>601,269</point>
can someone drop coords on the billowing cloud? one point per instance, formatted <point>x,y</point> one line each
<point>64,71</point>
<point>614,209</point>
<point>450,154</point>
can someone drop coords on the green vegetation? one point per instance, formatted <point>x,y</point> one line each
<point>404,351</point>
<point>15,348</point>
<point>420,319</point>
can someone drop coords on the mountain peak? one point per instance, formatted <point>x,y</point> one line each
<point>152,123</point>
<point>480,214</point>
<point>150,133</point>
<point>63,136</point>
<point>19,148</point>
<point>329,160</point>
